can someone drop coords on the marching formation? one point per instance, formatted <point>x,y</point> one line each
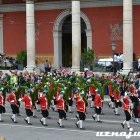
<point>61,90</point>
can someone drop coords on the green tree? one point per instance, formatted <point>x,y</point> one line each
<point>21,56</point>
<point>88,57</point>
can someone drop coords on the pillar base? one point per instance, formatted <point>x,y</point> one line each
<point>30,68</point>
<point>125,71</point>
<point>75,68</point>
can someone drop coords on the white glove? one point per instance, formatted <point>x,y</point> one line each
<point>12,101</point>
<point>19,99</point>
<point>98,107</point>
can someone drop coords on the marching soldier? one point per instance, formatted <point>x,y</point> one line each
<point>54,102</point>
<point>15,108</point>
<point>110,92</point>
<point>80,106</point>
<point>98,107</point>
<point>117,99</point>
<point>70,102</point>
<point>44,108</point>
<point>92,92</point>
<point>2,105</point>
<point>126,106</point>
<point>61,108</point>
<point>28,106</point>
<point>135,107</point>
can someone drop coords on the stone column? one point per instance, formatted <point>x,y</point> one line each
<point>76,35</point>
<point>30,34</point>
<point>127,35</point>
<point>1,33</point>
<point>58,48</point>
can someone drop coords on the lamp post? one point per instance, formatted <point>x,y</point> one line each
<point>113,45</point>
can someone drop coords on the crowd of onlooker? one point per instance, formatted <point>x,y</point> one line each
<point>7,62</point>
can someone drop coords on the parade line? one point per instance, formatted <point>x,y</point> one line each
<point>106,121</point>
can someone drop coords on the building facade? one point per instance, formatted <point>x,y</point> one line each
<point>49,27</point>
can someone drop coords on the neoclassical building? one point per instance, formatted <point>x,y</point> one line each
<point>59,30</point>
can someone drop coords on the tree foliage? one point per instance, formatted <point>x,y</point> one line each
<point>88,56</point>
<point>21,56</point>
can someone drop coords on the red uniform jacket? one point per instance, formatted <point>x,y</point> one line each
<point>97,101</point>
<point>92,91</point>
<point>110,91</point>
<point>43,103</point>
<point>80,105</point>
<point>132,89</point>
<point>60,103</point>
<point>28,102</point>
<point>12,98</point>
<point>126,104</point>
<point>1,100</point>
<point>117,95</point>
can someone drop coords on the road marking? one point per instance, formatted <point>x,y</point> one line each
<point>106,121</point>
<point>45,128</point>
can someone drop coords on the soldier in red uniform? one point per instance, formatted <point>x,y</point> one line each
<point>61,108</point>
<point>98,107</point>
<point>110,92</point>
<point>44,108</point>
<point>15,108</point>
<point>117,99</point>
<point>92,92</point>
<point>2,105</point>
<point>126,106</point>
<point>80,106</point>
<point>28,106</point>
<point>76,97</point>
<point>54,103</point>
<point>132,90</point>
<point>70,102</point>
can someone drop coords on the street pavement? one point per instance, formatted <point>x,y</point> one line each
<point>22,131</point>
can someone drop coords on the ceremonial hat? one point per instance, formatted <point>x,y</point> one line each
<point>62,92</point>
<point>28,90</point>
<point>45,91</point>
<point>1,89</point>
<point>89,80</point>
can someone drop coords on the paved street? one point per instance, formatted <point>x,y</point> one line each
<point>22,131</point>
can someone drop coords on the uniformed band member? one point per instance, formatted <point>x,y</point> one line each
<point>54,103</point>
<point>28,106</point>
<point>110,92</point>
<point>98,107</point>
<point>61,108</point>
<point>13,101</point>
<point>44,108</point>
<point>2,105</point>
<point>135,108</point>
<point>117,99</point>
<point>92,93</point>
<point>70,102</point>
<point>126,106</point>
<point>80,106</point>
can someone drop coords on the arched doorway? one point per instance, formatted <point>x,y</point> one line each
<point>67,41</point>
<point>58,35</point>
